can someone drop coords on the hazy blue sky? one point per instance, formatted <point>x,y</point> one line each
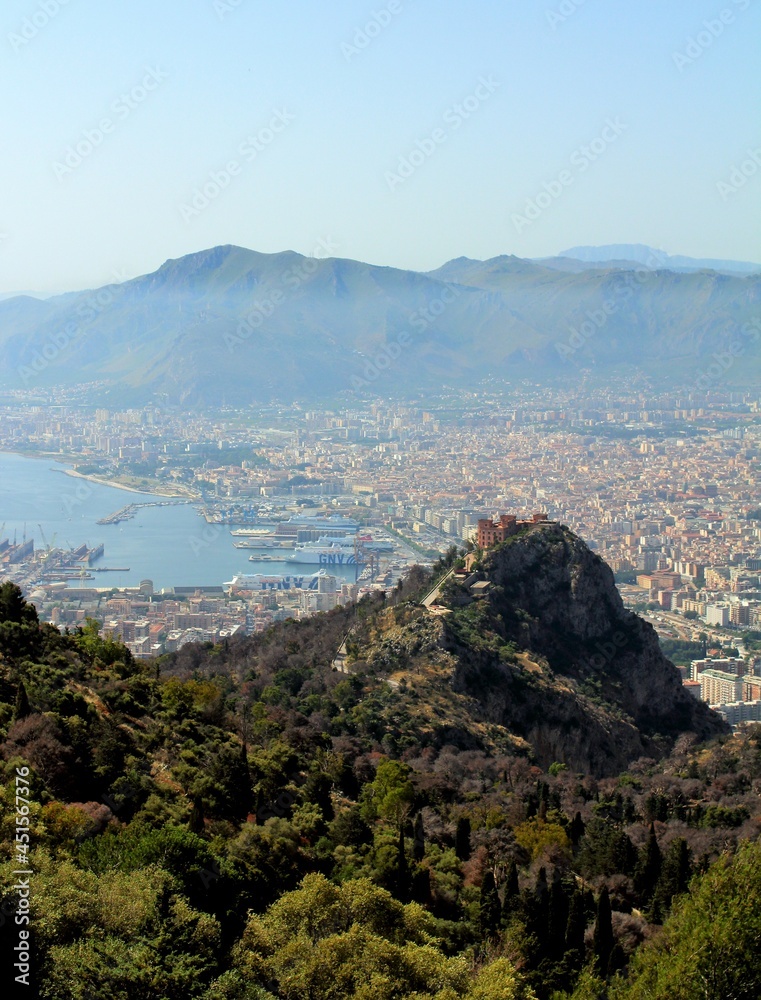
<point>337,118</point>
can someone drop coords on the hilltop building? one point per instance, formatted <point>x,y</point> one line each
<point>491,532</point>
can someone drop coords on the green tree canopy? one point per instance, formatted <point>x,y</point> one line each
<point>708,948</point>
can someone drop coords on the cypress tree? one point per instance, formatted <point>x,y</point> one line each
<point>557,919</point>
<point>622,853</point>
<point>402,870</point>
<point>418,846</point>
<point>577,829</point>
<point>420,885</point>
<point>602,941</point>
<point>617,960</point>
<point>22,707</point>
<point>674,877</point>
<point>489,908</point>
<point>462,839</point>
<point>195,821</point>
<point>574,931</point>
<point>512,892</point>
<point>537,913</point>
<point>544,800</point>
<point>648,868</point>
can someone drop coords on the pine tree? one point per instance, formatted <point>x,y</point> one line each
<point>489,909</point>
<point>602,940</point>
<point>462,839</point>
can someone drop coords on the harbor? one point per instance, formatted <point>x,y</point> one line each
<point>166,542</point>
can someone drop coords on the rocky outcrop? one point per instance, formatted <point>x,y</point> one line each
<point>568,668</point>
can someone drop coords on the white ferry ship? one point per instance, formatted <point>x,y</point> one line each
<point>323,521</point>
<point>251,532</point>
<point>326,552</point>
<point>260,581</point>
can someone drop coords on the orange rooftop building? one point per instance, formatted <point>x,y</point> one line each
<point>492,532</point>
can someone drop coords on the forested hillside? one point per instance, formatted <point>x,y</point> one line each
<point>242,822</point>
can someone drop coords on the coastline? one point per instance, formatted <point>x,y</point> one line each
<point>101,481</point>
<point>115,484</point>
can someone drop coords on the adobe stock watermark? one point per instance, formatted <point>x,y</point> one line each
<point>208,536</point>
<point>711,29</point>
<point>224,7</point>
<point>606,652</point>
<point>740,174</point>
<point>23,873</point>
<point>80,495</point>
<point>121,108</point>
<point>596,319</point>
<point>454,118</point>
<point>565,9</point>
<point>217,181</point>
<point>377,23</point>
<point>384,356</point>
<point>36,22</point>
<point>748,334</point>
<point>67,337</point>
<point>580,161</point>
<point>269,300</point>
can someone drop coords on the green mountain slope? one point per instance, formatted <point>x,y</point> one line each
<point>242,821</point>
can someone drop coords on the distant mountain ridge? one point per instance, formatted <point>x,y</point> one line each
<point>233,325</point>
<point>639,253</point>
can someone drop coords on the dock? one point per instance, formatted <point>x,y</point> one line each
<point>128,512</point>
<point>123,514</point>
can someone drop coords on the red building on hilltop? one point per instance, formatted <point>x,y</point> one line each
<point>492,532</point>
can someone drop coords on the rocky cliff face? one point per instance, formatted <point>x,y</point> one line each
<point>552,654</point>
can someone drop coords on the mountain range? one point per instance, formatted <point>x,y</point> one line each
<point>626,254</point>
<point>230,325</point>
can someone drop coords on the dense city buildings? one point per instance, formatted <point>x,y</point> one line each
<point>665,487</point>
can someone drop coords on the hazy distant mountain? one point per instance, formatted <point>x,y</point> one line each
<point>232,325</point>
<point>638,253</point>
<point>15,295</point>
